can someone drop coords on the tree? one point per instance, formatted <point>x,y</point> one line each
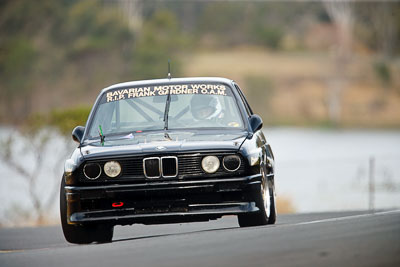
<point>133,9</point>
<point>159,41</point>
<point>36,152</point>
<point>341,14</point>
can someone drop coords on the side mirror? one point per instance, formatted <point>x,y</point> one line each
<point>256,122</point>
<point>77,133</point>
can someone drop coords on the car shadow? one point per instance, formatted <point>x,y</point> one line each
<point>195,232</point>
<point>175,234</point>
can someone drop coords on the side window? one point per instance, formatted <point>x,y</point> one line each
<point>246,104</point>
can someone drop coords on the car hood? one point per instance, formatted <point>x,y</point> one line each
<point>156,143</point>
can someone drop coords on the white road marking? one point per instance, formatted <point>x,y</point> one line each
<point>346,217</point>
<point>10,251</point>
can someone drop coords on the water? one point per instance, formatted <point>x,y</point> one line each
<point>18,191</point>
<point>328,170</point>
<point>317,170</point>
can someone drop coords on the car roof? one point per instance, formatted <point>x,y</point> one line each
<point>169,81</point>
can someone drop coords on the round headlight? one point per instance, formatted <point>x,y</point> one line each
<point>92,171</point>
<point>210,164</point>
<point>112,169</point>
<point>231,163</point>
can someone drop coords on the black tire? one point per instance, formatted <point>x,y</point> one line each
<point>267,213</point>
<point>272,211</point>
<point>80,234</point>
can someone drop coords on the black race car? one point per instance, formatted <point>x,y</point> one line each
<point>167,151</point>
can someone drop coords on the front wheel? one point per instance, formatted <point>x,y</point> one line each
<point>265,201</point>
<point>80,234</point>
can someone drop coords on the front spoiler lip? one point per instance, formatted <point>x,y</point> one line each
<point>160,185</point>
<point>129,215</point>
<point>198,210</point>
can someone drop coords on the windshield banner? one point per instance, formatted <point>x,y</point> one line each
<point>162,90</point>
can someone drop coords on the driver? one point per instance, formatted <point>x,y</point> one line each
<point>206,107</point>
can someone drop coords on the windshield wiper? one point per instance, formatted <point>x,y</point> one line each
<point>166,135</point>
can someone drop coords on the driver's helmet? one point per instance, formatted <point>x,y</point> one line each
<point>205,107</point>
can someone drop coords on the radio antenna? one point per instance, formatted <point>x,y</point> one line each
<point>169,69</point>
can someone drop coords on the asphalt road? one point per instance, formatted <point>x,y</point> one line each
<point>320,239</point>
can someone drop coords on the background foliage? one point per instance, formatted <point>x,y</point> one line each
<point>59,54</point>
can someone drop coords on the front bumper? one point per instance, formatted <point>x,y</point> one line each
<point>162,202</point>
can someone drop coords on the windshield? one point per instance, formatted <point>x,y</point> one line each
<point>128,110</point>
